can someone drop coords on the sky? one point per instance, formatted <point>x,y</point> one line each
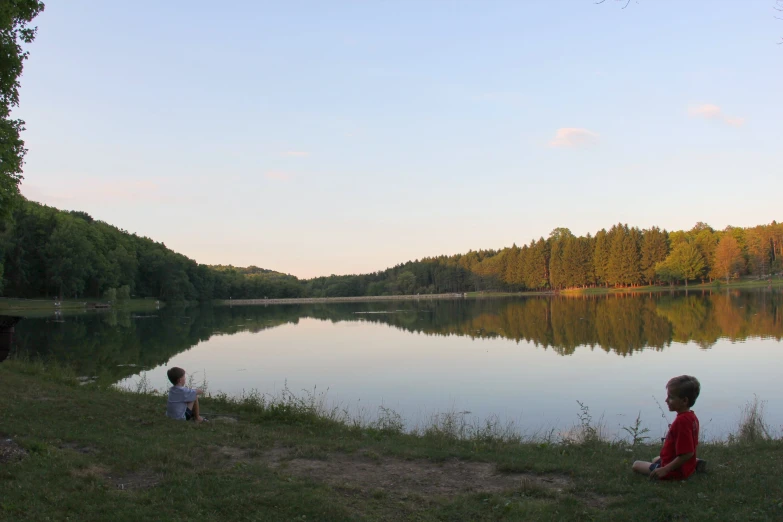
<point>317,138</point>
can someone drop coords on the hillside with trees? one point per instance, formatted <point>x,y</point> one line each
<point>46,252</point>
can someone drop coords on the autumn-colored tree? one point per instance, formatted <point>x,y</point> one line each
<point>727,258</point>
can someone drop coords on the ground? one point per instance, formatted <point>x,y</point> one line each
<point>90,453</point>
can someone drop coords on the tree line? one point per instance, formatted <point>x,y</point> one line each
<point>622,256</point>
<point>46,252</point>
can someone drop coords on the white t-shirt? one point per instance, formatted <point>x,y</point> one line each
<point>179,397</point>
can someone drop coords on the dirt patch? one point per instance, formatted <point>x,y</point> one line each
<point>91,471</point>
<point>10,451</point>
<point>137,480</point>
<point>234,454</point>
<point>223,420</point>
<point>78,448</point>
<point>597,501</point>
<point>416,477</point>
<point>125,482</point>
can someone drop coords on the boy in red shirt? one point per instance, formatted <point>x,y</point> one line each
<point>678,456</point>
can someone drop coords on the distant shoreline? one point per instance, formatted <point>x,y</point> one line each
<point>361,298</point>
<point>477,295</point>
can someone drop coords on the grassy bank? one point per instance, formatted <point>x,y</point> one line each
<point>92,453</point>
<point>714,285</point>
<point>11,306</point>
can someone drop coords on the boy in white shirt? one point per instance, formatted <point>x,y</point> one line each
<point>183,402</point>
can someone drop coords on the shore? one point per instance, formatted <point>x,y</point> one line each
<point>711,286</point>
<point>356,299</point>
<point>92,452</point>
<point>11,306</point>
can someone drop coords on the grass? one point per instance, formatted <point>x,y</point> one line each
<point>747,282</point>
<point>716,284</point>
<point>29,307</point>
<point>97,453</point>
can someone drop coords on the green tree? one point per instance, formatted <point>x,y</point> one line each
<point>123,293</point>
<point>68,252</point>
<point>618,252</point>
<point>654,249</point>
<point>630,259</point>
<point>110,295</point>
<point>15,17</point>
<point>601,257</point>
<point>686,260</point>
<point>536,265</point>
<point>665,271</point>
<point>706,241</point>
<point>406,282</point>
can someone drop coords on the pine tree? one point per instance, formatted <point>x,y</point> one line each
<point>536,271</point>
<point>601,257</point>
<point>654,249</point>
<point>557,277</point>
<point>616,266</point>
<point>632,274</point>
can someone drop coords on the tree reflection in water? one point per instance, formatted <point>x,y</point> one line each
<point>117,344</point>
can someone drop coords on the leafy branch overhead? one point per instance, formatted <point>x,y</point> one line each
<point>15,31</point>
<point>777,7</point>
<point>626,2</point>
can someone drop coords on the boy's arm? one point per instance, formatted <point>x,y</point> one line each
<point>671,466</point>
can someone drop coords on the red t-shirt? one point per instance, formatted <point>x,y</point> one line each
<point>682,438</point>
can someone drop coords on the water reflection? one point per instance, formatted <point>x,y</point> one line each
<point>117,343</point>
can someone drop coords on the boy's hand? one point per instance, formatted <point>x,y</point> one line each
<point>658,473</point>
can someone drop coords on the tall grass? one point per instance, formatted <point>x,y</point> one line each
<point>314,406</point>
<point>752,425</point>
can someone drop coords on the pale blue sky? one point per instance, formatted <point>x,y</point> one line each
<point>341,137</point>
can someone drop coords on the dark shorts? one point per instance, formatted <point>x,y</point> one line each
<point>189,414</point>
<point>653,466</point>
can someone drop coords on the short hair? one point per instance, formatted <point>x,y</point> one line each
<point>175,374</point>
<point>685,387</point>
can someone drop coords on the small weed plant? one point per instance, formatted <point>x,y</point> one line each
<point>588,431</point>
<point>637,433</point>
<point>388,421</point>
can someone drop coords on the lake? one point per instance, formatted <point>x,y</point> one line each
<point>522,359</point>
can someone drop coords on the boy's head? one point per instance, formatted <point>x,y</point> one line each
<point>682,392</point>
<point>176,375</point>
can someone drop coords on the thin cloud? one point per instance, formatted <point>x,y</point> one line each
<point>573,137</point>
<point>296,153</point>
<point>91,190</point>
<point>706,110</point>
<point>277,175</point>
<point>709,111</point>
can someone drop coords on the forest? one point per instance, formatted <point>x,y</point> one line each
<point>46,252</point>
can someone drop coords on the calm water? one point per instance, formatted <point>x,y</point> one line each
<point>524,359</point>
